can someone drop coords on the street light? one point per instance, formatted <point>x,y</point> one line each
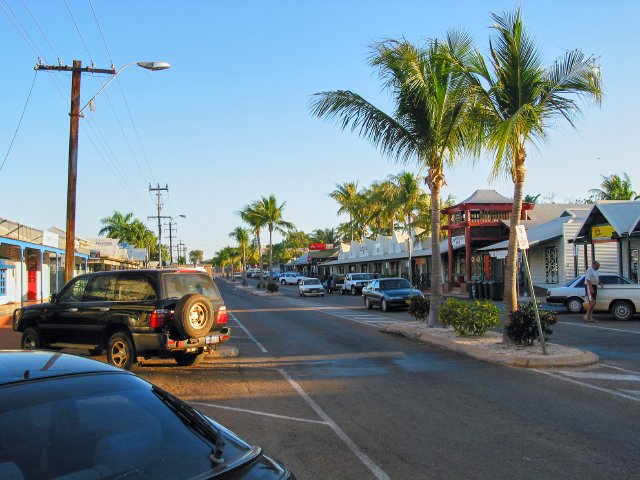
<point>74,128</point>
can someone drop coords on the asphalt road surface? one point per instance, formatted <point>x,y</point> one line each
<point>321,389</point>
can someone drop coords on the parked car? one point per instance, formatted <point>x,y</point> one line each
<point>237,276</point>
<point>354,283</point>
<point>334,283</point>
<point>572,294</point>
<point>389,293</point>
<point>311,286</point>
<point>69,417</point>
<point>290,278</point>
<point>171,312</point>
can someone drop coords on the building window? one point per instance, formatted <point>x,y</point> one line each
<point>3,282</point>
<point>551,265</point>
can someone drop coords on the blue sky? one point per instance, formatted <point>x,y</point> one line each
<point>230,121</point>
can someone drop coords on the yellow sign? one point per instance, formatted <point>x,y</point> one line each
<point>602,233</point>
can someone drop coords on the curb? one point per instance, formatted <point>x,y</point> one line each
<point>576,358</point>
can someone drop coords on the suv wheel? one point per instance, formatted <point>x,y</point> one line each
<point>31,339</point>
<point>353,290</point>
<point>283,282</point>
<point>193,315</point>
<point>120,350</point>
<point>385,306</point>
<point>367,303</point>
<point>188,359</point>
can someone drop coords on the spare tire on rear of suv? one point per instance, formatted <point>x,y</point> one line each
<point>193,315</point>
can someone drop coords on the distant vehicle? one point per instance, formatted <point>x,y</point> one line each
<point>69,417</point>
<point>572,294</point>
<point>253,272</point>
<point>311,286</point>
<point>334,283</point>
<point>355,282</point>
<point>169,312</point>
<point>389,293</point>
<point>290,278</point>
<point>237,276</point>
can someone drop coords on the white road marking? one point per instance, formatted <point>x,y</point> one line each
<point>603,376</point>
<point>584,384</point>
<point>620,368</point>
<point>264,350</point>
<point>264,414</point>
<point>600,328</point>
<point>364,458</point>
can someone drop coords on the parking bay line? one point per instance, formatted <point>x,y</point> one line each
<point>364,458</point>
<point>264,414</point>
<point>601,328</point>
<point>358,452</point>
<point>588,385</point>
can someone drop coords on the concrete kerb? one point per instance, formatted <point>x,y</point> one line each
<point>573,358</point>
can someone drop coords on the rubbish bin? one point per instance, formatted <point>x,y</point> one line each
<point>473,290</point>
<point>480,289</point>
<point>497,289</point>
<point>485,290</point>
<point>492,289</point>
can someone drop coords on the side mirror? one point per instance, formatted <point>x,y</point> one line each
<point>52,297</point>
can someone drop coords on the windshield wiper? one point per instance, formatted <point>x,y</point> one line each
<point>194,420</point>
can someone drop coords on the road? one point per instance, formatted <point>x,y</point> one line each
<point>320,388</point>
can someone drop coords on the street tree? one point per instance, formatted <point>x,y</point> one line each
<point>241,236</point>
<point>614,187</point>
<point>253,215</point>
<point>430,124</point>
<point>349,201</point>
<point>196,256</point>
<point>272,215</point>
<point>518,101</point>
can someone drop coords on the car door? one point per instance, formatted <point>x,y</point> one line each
<point>135,300</point>
<point>374,294</point>
<point>58,320</point>
<point>94,312</point>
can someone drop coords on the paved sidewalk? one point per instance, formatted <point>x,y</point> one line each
<point>490,349</point>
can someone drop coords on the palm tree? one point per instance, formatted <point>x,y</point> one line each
<point>241,236</point>
<point>409,199</point>
<point>614,187</point>
<point>117,225</point>
<point>252,215</point>
<point>347,197</point>
<point>272,214</point>
<point>429,125</point>
<point>328,236</point>
<point>518,100</point>
<point>382,197</point>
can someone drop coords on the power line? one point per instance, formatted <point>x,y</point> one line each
<point>20,121</point>
<point>79,32</point>
<point>100,30</point>
<point>42,31</point>
<point>23,33</point>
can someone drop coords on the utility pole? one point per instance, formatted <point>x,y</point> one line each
<point>159,189</point>
<point>171,226</point>
<point>72,176</point>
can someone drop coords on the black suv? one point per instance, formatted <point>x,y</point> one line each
<point>177,313</point>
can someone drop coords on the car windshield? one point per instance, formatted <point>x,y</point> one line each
<point>313,281</point>
<point>396,284</point>
<point>568,284</point>
<point>178,285</point>
<point>361,276</point>
<point>100,426</point>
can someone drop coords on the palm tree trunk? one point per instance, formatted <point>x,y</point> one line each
<point>244,267</point>
<point>410,268</point>
<point>511,265</point>
<point>260,258</point>
<point>270,254</point>
<point>436,261</point>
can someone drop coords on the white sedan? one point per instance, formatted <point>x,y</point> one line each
<point>572,295</point>
<point>310,286</point>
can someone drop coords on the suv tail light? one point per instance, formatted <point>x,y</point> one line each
<point>159,317</point>
<point>222,315</point>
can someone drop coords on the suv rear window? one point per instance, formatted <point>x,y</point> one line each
<point>177,285</point>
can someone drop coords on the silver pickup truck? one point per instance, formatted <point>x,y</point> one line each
<point>622,301</point>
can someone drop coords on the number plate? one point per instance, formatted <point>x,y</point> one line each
<point>212,339</point>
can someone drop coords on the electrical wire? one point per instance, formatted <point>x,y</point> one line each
<point>79,32</point>
<point>101,34</point>
<point>20,121</point>
<point>21,30</point>
<point>42,31</point>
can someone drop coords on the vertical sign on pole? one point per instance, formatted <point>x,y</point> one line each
<point>523,244</point>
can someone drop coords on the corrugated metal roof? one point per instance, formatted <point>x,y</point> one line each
<point>622,215</point>
<point>538,234</point>
<point>486,196</point>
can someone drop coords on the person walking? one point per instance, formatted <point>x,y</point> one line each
<point>591,282</point>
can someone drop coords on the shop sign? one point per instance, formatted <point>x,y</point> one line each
<point>602,233</point>
<point>94,254</point>
<point>318,246</point>
<point>457,241</point>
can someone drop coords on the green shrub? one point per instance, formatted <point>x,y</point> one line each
<point>451,309</point>
<point>419,307</point>
<point>523,329</point>
<point>259,285</point>
<point>272,287</point>
<point>469,319</point>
